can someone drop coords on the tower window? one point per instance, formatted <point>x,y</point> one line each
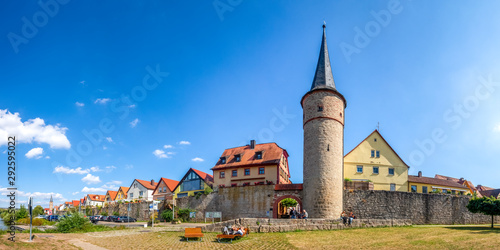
<point>340,114</point>
<point>320,108</point>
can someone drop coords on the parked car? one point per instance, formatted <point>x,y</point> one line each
<point>112,218</point>
<point>125,219</point>
<point>104,218</point>
<point>41,217</point>
<point>53,218</point>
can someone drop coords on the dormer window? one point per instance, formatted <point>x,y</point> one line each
<point>237,158</point>
<point>223,160</point>
<point>258,155</point>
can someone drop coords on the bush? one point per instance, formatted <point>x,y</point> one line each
<point>75,222</point>
<point>116,214</point>
<point>36,221</point>
<point>183,214</point>
<point>347,179</point>
<point>208,190</point>
<point>22,212</point>
<point>167,215</point>
<point>38,210</point>
<point>104,214</point>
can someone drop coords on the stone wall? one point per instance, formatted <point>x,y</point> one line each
<point>419,208</point>
<point>262,225</point>
<point>139,211</point>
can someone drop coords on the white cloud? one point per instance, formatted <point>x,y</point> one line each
<point>95,169</point>
<point>168,146</point>
<point>127,166</point>
<point>36,195</point>
<point>65,170</point>
<point>93,190</point>
<point>132,106</point>
<point>114,182</point>
<point>104,147</point>
<point>170,153</point>
<point>75,193</point>
<point>34,153</point>
<point>197,159</point>
<point>109,187</point>
<point>184,143</point>
<point>497,128</point>
<point>47,157</point>
<point>91,179</point>
<point>32,130</point>
<point>79,104</point>
<point>109,168</point>
<point>134,123</point>
<point>109,139</point>
<point>160,153</point>
<point>102,100</point>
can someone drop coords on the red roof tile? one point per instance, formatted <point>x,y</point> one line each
<point>435,181</point>
<point>492,192</point>
<point>112,194</point>
<point>271,154</point>
<point>206,177</point>
<point>96,197</point>
<point>75,203</point>
<point>171,184</point>
<point>147,184</point>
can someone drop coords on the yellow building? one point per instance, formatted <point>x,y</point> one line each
<point>375,160</point>
<point>121,194</point>
<point>254,164</point>
<point>420,184</point>
<point>195,181</point>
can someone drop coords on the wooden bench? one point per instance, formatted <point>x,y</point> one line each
<point>193,233</point>
<point>232,236</point>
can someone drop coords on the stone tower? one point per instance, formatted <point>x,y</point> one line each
<point>51,204</point>
<point>323,125</point>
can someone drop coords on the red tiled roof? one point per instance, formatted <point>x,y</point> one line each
<point>75,203</point>
<point>271,154</point>
<point>435,181</point>
<point>112,194</point>
<point>124,190</point>
<point>483,188</point>
<point>96,197</point>
<point>147,184</point>
<point>442,177</point>
<point>206,177</point>
<point>376,131</point>
<point>491,192</point>
<point>171,184</point>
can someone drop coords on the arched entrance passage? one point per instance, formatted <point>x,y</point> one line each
<point>276,205</point>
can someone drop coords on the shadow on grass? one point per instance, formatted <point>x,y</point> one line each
<point>478,230</point>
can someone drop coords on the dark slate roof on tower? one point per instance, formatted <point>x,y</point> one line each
<point>50,198</point>
<point>323,78</point>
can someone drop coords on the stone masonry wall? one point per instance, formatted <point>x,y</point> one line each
<point>419,208</point>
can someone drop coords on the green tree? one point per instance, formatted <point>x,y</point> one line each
<point>289,202</point>
<point>104,213</point>
<point>38,210</point>
<point>166,215</point>
<point>72,223</point>
<point>485,205</point>
<point>22,212</point>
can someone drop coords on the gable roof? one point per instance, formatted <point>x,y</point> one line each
<point>146,184</point>
<point>271,154</point>
<point>209,179</point>
<point>492,192</point>
<point>96,197</point>
<point>75,203</point>
<point>124,190</point>
<point>383,139</point>
<point>483,188</point>
<point>171,184</point>
<point>112,194</point>
<point>435,181</point>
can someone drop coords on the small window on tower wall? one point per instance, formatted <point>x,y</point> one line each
<point>320,108</point>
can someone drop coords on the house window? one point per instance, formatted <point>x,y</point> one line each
<point>445,191</point>
<point>393,187</point>
<point>235,173</point>
<point>375,170</point>
<point>141,193</point>
<point>237,158</point>
<point>223,160</point>
<point>247,171</point>
<point>424,189</point>
<point>375,139</point>
<point>320,108</point>
<point>434,190</point>
<point>164,189</point>
<point>258,155</point>
<point>131,195</point>
<point>413,188</point>
<point>378,154</point>
<point>191,182</point>
<point>222,174</point>
<point>359,169</point>
<point>135,185</point>
<point>373,154</point>
<point>453,192</point>
<point>391,171</point>
<point>261,171</point>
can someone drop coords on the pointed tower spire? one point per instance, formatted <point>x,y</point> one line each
<point>51,198</point>
<point>323,78</point>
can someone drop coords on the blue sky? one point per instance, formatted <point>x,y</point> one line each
<point>162,86</point>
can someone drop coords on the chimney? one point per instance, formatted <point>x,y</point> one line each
<point>152,182</point>
<point>252,144</point>
<point>419,173</point>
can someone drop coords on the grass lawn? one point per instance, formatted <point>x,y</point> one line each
<point>413,237</point>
